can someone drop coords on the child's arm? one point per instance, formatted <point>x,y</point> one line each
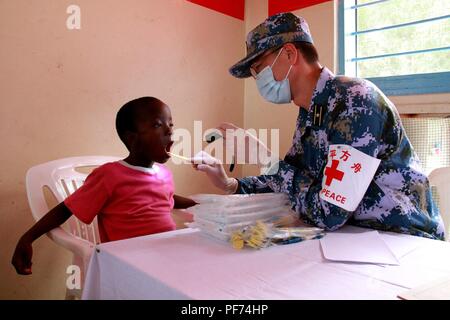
<point>182,202</point>
<point>21,259</point>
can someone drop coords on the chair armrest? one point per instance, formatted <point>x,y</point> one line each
<point>78,246</point>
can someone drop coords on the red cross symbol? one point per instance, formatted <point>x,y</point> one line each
<point>333,173</point>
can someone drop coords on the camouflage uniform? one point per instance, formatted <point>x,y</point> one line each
<point>356,113</point>
<point>353,112</point>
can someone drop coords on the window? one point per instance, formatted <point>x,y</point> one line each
<point>403,46</point>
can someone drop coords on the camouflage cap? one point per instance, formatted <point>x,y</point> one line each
<point>275,31</point>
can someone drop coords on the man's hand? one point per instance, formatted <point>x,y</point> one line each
<point>21,259</point>
<point>251,150</point>
<point>213,168</point>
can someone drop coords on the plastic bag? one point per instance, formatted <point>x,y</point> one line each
<point>262,235</point>
<point>241,199</point>
<point>223,231</point>
<point>225,215</point>
<point>221,216</point>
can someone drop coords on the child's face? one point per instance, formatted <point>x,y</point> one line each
<point>153,136</point>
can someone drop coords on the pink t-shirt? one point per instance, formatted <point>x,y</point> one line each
<point>129,201</point>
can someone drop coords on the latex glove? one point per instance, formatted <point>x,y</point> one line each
<point>255,152</point>
<point>213,168</point>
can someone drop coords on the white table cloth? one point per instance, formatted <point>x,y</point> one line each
<point>186,264</point>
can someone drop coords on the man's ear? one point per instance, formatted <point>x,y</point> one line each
<point>292,52</point>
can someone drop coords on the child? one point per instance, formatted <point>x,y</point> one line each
<point>131,197</point>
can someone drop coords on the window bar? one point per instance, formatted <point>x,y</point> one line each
<point>399,25</point>
<point>367,4</point>
<point>399,54</point>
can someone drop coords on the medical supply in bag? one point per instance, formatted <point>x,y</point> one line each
<point>236,218</point>
<point>263,234</point>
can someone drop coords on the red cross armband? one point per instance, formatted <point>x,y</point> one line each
<point>347,176</point>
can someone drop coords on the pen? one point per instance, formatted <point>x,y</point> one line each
<point>300,239</point>
<point>211,138</point>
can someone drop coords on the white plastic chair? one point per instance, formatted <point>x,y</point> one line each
<point>61,177</point>
<point>440,178</point>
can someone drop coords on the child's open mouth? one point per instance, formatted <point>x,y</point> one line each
<point>167,148</point>
<point>170,154</point>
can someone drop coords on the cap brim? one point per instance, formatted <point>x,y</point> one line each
<point>241,69</point>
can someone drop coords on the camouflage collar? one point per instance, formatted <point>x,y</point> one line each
<point>319,101</point>
<point>322,89</point>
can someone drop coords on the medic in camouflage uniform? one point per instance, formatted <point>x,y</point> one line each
<point>352,112</point>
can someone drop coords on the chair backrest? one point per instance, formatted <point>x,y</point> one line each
<point>62,178</point>
<point>440,178</point>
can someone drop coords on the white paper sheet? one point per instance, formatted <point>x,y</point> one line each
<point>365,247</point>
<point>436,290</point>
<point>401,245</point>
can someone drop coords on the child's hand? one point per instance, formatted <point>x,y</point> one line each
<point>21,259</point>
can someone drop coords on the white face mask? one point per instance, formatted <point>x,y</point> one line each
<point>272,90</point>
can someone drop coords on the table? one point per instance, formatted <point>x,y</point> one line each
<point>187,264</point>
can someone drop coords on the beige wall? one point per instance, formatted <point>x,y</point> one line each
<point>61,89</point>
<point>425,104</point>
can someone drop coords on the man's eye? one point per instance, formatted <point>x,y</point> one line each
<point>157,125</point>
<point>171,125</point>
